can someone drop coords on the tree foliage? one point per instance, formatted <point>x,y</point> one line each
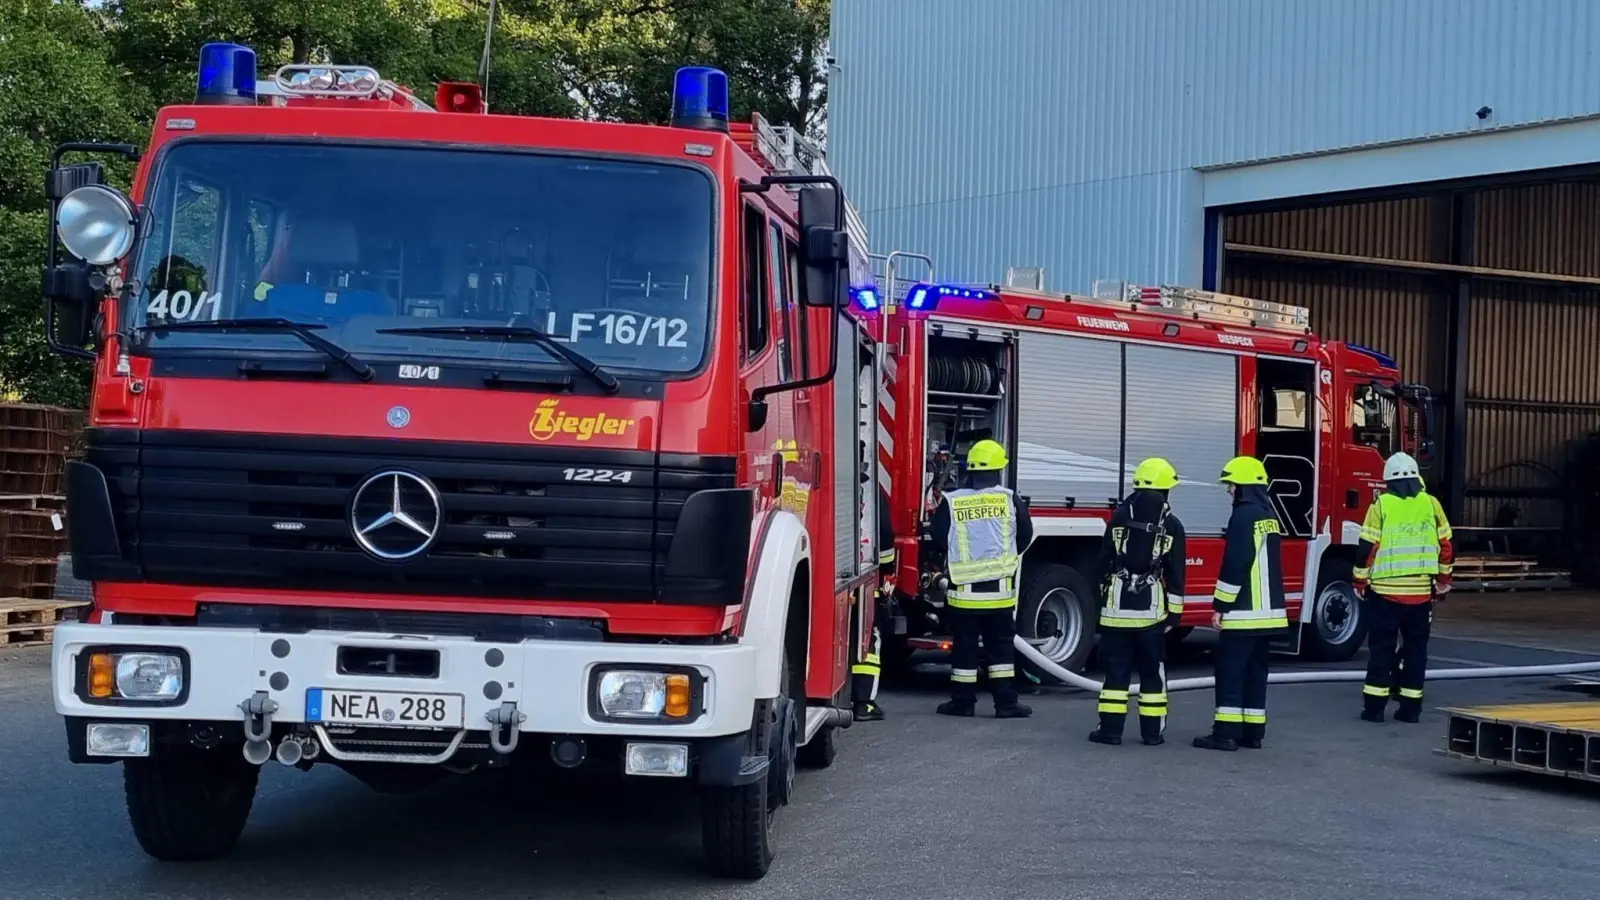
<point>71,70</point>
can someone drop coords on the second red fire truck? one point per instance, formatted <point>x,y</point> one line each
<point>1083,387</point>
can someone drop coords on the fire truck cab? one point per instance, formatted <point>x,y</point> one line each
<point>1082,388</point>
<point>425,440</point>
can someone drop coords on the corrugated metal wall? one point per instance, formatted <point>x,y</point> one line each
<point>1066,134</point>
<point>1533,376</point>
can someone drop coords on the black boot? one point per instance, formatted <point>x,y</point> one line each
<point>966,709</point>
<point>1212,742</point>
<point>1408,714</point>
<point>1250,743</point>
<point>868,711</point>
<point>1372,715</point>
<point>1100,737</point>
<point>1013,710</point>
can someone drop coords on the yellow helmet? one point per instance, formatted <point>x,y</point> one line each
<point>1244,470</point>
<point>986,456</point>
<point>1155,473</point>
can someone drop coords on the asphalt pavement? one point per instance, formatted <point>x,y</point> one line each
<point>918,806</point>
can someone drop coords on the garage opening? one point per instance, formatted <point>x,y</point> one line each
<point>1489,293</point>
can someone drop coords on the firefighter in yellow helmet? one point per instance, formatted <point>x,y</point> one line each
<point>1247,607</point>
<point>984,529</point>
<point>1142,569</point>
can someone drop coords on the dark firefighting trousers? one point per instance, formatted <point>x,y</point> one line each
<point>997,628</point>
<point>1241,660</point>
<point>1122,651</point>
<point>866,668</point>
<point>1391,674</point>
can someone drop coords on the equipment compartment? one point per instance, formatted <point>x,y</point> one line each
<point>970,398</point>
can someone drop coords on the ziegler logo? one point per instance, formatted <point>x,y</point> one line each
<point>1106,324</point>
<point>550,420</point>
<point>1237,340</point>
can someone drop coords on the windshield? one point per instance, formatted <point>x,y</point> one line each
<point>613,258</point>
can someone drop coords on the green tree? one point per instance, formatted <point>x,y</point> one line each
<point>57,83</point>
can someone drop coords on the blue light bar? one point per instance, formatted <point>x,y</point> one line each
<point>227,75</point>
<point>866,298</point>
<point>1383,359</point>
<point>927,296</point>
<point>700,99</point>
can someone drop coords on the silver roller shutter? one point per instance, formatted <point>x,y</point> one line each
<point>1069,419</point>
<point>1183,405</point>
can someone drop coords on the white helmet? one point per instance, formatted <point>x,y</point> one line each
<point>1400,466</point>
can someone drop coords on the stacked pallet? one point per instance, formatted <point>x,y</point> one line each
<point>1504,572</point>
<point>35,443</point>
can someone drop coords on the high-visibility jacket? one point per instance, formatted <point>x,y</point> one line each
<point>981,548</point>
<point>1129,601</point>
<point>1405,548</point>
<point>1249,592</point>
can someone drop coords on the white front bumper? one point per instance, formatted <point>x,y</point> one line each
<point>549,681</point>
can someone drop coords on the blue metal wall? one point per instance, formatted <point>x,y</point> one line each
<point>1067,133</point>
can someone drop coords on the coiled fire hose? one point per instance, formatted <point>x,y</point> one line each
<point>1309,677</point>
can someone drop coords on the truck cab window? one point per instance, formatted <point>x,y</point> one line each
<point>1372,419</point>
<point>755,307</point>
<point>1286,439</point>
<point>782,302</point>
<point>802,349</point>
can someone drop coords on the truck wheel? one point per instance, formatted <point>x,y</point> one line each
<point>187,804</point>
<point>1059,606</point>
<point>1336,628</point>
<point>736,822</point>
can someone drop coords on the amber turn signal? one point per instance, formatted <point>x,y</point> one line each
<point>102,675</point>
<point>677,696</point>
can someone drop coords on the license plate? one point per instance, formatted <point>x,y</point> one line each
<point>384,708</point>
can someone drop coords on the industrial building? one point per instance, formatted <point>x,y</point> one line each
<point>1423,175</point>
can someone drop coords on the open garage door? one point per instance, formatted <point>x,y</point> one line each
<point>1487,292</point>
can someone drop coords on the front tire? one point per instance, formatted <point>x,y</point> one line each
<point>187,804</point>
<point>736,822</point>
<point>1058,604</point>
<point>1336,628</point>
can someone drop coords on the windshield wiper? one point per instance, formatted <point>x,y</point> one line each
<point>519,332</point>
<point>305,331</point>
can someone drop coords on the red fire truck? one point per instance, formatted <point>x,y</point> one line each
<point>1081,388</point>
<point>425,440</point>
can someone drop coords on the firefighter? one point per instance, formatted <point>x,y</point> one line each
<point>987,528</point>
<point>1247,608</point>
<point>868,670</point>
<point>1405,559</point>
<point>1141,600</point>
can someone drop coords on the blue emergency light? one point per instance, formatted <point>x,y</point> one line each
<point>866,298</point>
<point>1383,359</point>
<point>927,296</point>
<point>700,99</point>
<point>227,75</point>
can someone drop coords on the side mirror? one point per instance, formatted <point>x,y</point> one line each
<point>825,247</point>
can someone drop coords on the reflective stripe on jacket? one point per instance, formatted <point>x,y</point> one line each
<point>1410,539</point>
<point>981,551</point>
<point>1249,592</point>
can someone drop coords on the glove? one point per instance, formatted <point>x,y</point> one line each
<point>1360,585</point>
<point>1441,585</point>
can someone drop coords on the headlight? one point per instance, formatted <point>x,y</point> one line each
<point>645,695</point>
<point>147,676</point>
<point>96,224</point>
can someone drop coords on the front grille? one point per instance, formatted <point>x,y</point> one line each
<point>252,510</point>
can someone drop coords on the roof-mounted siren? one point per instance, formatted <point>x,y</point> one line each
<point>700,99</point>
<point>227,75</point>
<point>459,97</point>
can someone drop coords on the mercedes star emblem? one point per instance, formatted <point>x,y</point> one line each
<point>396,515</point>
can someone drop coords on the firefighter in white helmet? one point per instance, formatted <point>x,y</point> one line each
<point>1404,562</point>
<point>1142,559</point>
<point>984,528</point>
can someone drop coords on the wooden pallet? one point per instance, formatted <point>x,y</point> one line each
<point>27,623</point>
<point>53,502</point>
<point>1506,573</point>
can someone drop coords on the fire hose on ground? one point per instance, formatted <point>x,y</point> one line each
<point>1043,662</point>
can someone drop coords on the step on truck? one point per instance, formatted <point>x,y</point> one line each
<point>426,441</point>
<point>1083,387</point>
